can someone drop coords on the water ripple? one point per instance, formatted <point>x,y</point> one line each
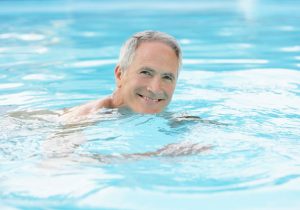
<point>10,85</point>
<point>93,63</point>
<point>23,37</point>
<point>225,61</point>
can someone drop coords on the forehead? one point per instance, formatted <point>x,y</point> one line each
<point>156,55</point>
<point>152,48</point>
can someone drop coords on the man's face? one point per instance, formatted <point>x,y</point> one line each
<point>147,85</point>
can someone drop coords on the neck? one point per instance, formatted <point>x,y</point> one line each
<point>116,99</point>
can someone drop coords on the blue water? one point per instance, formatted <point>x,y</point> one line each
<point>240,81</point>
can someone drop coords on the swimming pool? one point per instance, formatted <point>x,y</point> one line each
<point>240,80</point>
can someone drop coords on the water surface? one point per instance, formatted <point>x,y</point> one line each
<point>240,82</point>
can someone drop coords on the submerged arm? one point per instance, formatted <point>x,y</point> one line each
<point>174,150</point>
<point>185,148</point>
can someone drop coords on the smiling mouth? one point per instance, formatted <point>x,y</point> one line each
<point>149,99</point>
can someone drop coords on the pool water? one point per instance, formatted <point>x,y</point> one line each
<point>236,108</point>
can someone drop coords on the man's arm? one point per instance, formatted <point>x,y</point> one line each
<point>83,112</point>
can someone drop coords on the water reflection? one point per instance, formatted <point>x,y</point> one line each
<point>23,37</point>
<point>247,8</point>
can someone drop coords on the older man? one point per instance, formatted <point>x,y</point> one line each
<point>146,76</point>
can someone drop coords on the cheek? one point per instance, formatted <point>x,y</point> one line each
<point>128,82</point>
<point>170,89</point>
<point>138,83</point>
<point>130,86</point>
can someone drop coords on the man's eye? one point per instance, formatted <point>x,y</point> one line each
<point>146,73</point>
<point>168,78</point>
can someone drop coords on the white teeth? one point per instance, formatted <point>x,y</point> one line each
<point>150,99</point>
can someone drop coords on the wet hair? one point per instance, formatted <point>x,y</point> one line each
<point>129,48</point>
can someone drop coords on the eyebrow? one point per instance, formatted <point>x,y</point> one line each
<point>153,70</point>
<point>148,69</point>
<point>170,75</point>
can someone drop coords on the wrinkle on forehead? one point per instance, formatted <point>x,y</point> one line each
<point>156,55</point>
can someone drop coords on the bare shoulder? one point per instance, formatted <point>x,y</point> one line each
<point>83,111</point>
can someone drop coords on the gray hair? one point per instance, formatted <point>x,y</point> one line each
<point>128,50</point>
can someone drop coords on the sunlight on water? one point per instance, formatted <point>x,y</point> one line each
<point>291,49</point>
<point>23,37</point>
<point>42,77</point>
<point>93,63</point>
<point>10,85</point>
<point>225,61</point>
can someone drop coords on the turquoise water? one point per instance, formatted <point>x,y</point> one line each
<point>240,80</point>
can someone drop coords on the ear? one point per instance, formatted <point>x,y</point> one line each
<point>118,76</point>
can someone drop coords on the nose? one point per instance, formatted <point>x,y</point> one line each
<point>155,86</point>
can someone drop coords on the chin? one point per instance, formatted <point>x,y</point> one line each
<point>152,112</point>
